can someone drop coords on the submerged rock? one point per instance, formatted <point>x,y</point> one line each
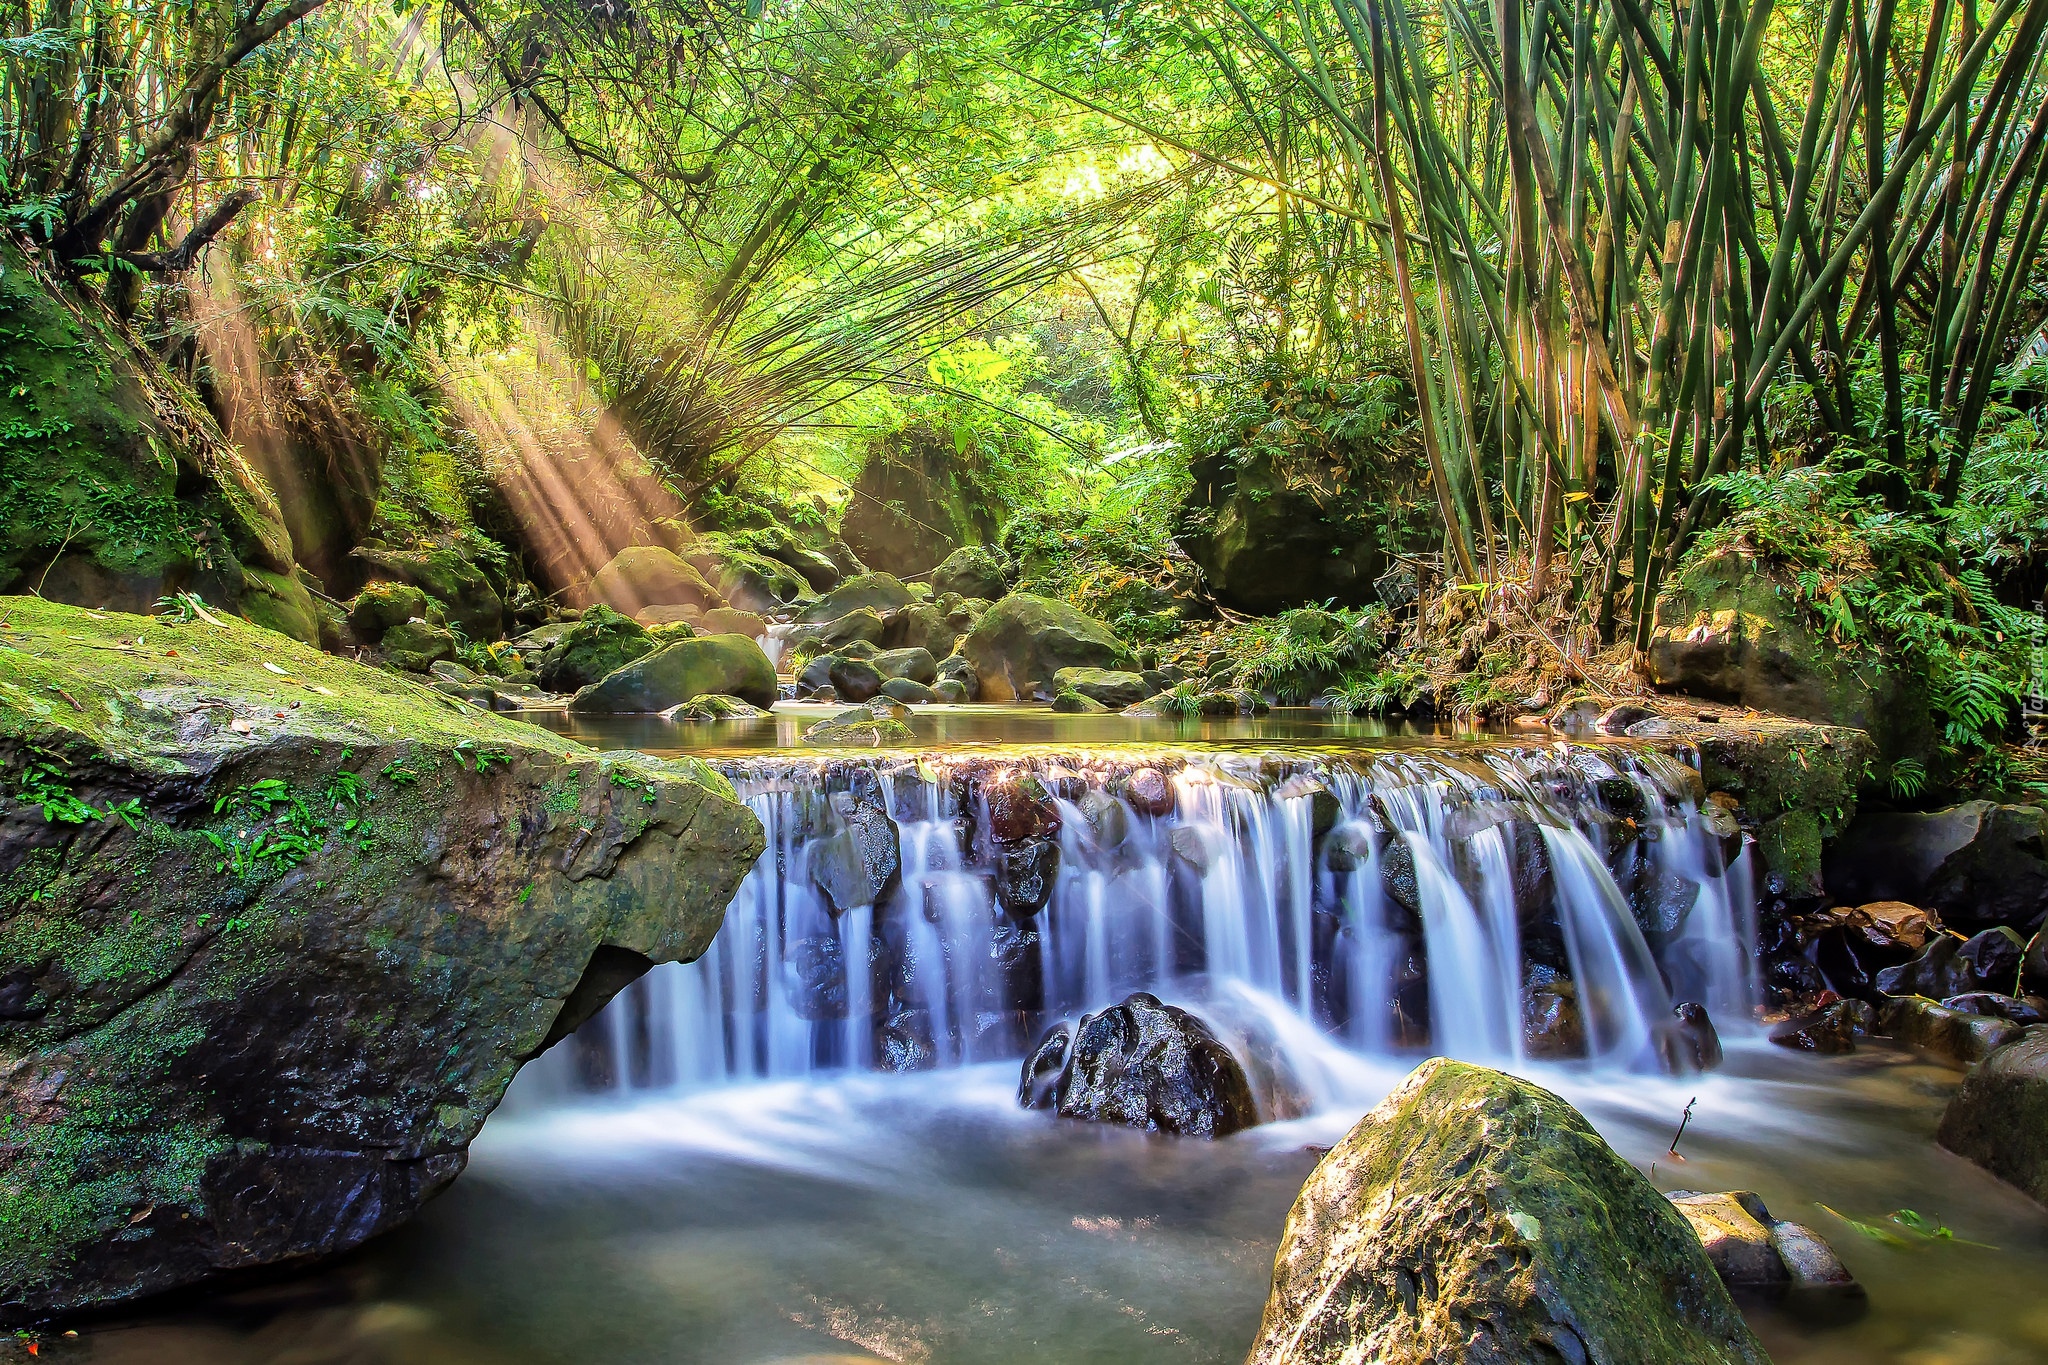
<point>1832,1029</point>
<point>1998,1117</point>
<point>241,1033</point>
<point>1142,1064</point>
<point>1764,1257</point>
<point>1474,1217</point>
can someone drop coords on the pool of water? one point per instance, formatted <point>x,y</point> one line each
<point>945,727</point>
<point>926,1219</point>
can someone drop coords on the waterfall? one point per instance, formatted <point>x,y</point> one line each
<point>937,910</point>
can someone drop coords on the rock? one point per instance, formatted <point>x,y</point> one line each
<point>1998,1117</point>
<point>1397,875</point>
<point>446,575</point>
<point>860,626</point>
<point>732,621</point>
<point>1991,961</point>
<point>1739,1245</point>
<point>1143,1064</point>
<point>855,679</point>
<point>921,627</point>
<point>911,506</point>
<point>879,593</point>
<point>857,863</point>
<point>674,617</point>
<point>908,691</point>
<point>949,692</point>
<point>1883,924</point>
<point>1025,872</point>
<point>1149,792</point>
<point>714,707</point>
<point>218,1058</point>
<point>726,665</point>
<point>1266,538</point>
<point>915,664</point>
<point>415,645</point>
<point>1832,1029</point>
<point>1023,642</point>
<point>959,668</point>
<point>1108,822</point>
<point>1074,704</point>
<point>905,1043</point>
<point>1552,1029</point>
<point>1045,1068</point>
<point>1616,720</point>
<point>1580,717</point>
<point>747,580</point>
<point>859,728</point>
<point>825,693</point>
<point>1944,1035</point>
<point>380,606</point>
<point>1474,1217</point>
<point>1978,864</point>
<point>973,571</point>
<point>599,643</point>
<point>1797,785</point>
<point>816,979</point>
<point>1015,811</point>
<point>1115,690</point>
<point>649,576</point>
<point>2017,1009</point>
<point>1695,1044</point>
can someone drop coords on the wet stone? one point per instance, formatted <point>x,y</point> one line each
<point>1148,1065</point>
<point>1025,872</point>
<point>1149,792</point>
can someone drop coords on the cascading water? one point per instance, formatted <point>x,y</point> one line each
<point>942,909</point>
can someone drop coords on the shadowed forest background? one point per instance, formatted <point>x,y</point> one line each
<point>1455,358</point>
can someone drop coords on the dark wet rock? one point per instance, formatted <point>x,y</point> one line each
<point>1143,1064</point>
<point>1324,807</point>
<point>878,593</point>
<point>914,664</point>
<point>1832,1029</point>
<point>855,680</point>
<point>1397,874</point>
<point>904,1043</point>
<point>1661,899</point>
<point>414,646</point>
<point>1694,1043</point>
<point>959,668</point>
<point>2017,1009</point>
<point>1988,962</point>
<point>1998,1117</point>
<point>973,571</point>
<point>649,576</point>
<point>857,863</point>
<point>1791,982</point>
<point>1616,720</point>
<point>599,643</point>
<point>1111,687</point>
<point>1349,847</point>
<point>816,981</point>
<point>1017,975</point>
<point>1015,811</point>
<point>1552,1029</point>
<point>1149,792</point>
<point>816,673</point>
<point>725,665</point>
<point>1045,1067</point>
<point>1023,642</point>
<point>1398,1246</point>
<point>1074,704</point>
<point>1979,864</point>
<point>1025,872</point>
<point>380,606</point>
<point>908,691</point>
<point>1735,1239</point>
<point>359,1006</point>
<point>1944,1035</point>
<point>1266,540</point>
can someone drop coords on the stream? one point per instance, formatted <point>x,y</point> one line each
<point>722,1167</point>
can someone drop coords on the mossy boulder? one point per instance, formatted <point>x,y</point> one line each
<point>859,728</point>
<point>716,707</point>
<point>116,485</point>
<point>917,664</point>
<point>280,602</point>
<point>1113,688</point>
<point>861,624</point>
<point>649,576</point>
<point>973,571</point>
<point>1023,641</point>
<point>1475,1217</point>
<point>1998,1118</point>
<point>877,592</point>
<point>445,574</point>
<point>733,621</point>
<point>257,1016</point>
<point>748,580</point>
<point>912,504</point>
<point>709,665</point>
<point>380,606</point>
<point>1797,784</point>
<point>415,646</point>
<point>599,643</point>
<point>1070,703</point>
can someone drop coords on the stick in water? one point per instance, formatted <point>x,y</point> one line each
<point>1687,1118</point>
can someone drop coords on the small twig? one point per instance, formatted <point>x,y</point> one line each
<point>1682,1122</point>
<point>62,545</point>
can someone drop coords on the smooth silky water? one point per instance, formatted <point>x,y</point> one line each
<point>713,1171</point>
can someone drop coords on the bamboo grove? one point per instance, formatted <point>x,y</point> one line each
<point>1634,240</point>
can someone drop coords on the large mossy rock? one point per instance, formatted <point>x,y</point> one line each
<point>257,1016</point>
<point>910,508</point>
<point>1022,642</point>
<point>1477,1218</point>
<point>1727,630</point>
<point>598,644</point>
<point>1977,863</point>
<point>116,485</point>
<point>973,571</point>
<point>710,665</point>
<point>1797,784</point>
<point>649,576</point>
<point>1998,1118</point>
<point>448,576</point>
<point>747,579</point>
<point>880,593</point>
<point>1267,540</point>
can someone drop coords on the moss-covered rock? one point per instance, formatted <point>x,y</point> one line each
<point>416,646</point>
<point>716,707</point>
<point>1113,688</point>
<point>709,665</point>
<point>1797,785</point>
<point>280,602</point>
<point>1023,641</point>
<point>445,574</point>
<point>877,592</point>
<point>273,943</point>
<point>1998,1118</point>
<point>1071,703</point>
<point>748,580</point>
<point>649,576</point>
<point>1475,1217</point>
<point>859,728</point>
<point>116,485</point>
<point>973,571</point>
<point>597,644</point>
<point>380,606</point>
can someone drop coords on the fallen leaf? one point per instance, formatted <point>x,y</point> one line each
<point>273,668</point>
<point>239,726</point>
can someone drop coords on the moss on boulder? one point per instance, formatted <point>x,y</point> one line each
<point>877,592</point>
<point>380,606</point>
<point>649,576</point>
<point>599,643</point>
<point>720,665</point>
<point>445,574</point>
<point>1999,1116</point>
<point>1475,1217</point>
<point>1022,642</point>
<point>273,943</point>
